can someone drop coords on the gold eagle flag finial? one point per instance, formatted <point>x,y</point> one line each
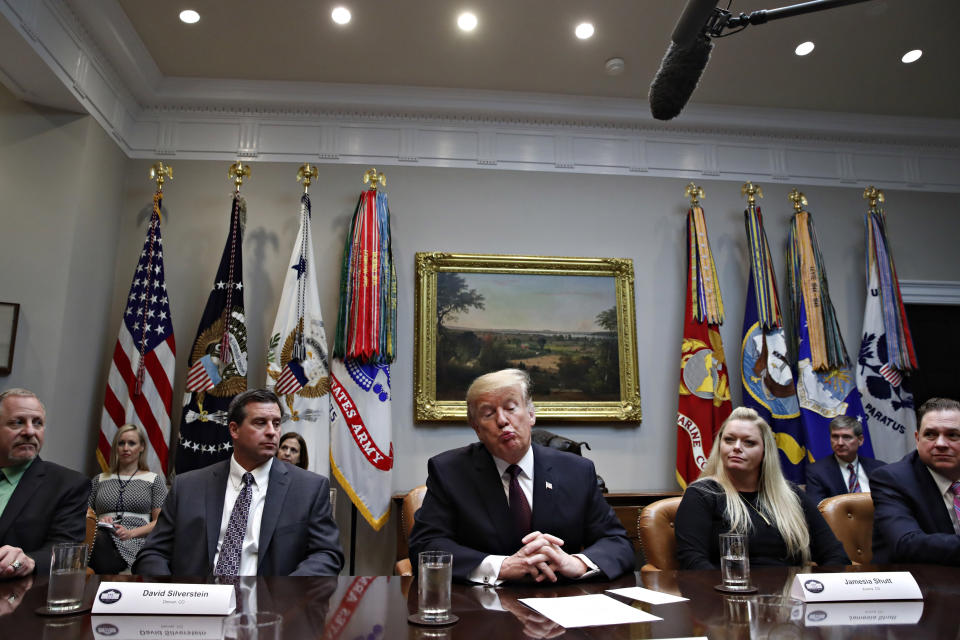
<point>695,194</point>
<point>799,200</point>
<point>238,172</point>
<point>159,173</point>
<point>752,192</point>
<point>374,178</point>
<point>307,173</point>
<point>874,196</point>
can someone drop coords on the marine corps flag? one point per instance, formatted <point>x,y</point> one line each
<point>826,387</point>
<point>886,349</point>
<point>218,361</point>
<point>297,366</point>
<point>765,368</point>
<point>704,386</point>
<point>361,446</point>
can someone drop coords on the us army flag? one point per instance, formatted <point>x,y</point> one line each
<point>886,352</point>
<point>297,365</point>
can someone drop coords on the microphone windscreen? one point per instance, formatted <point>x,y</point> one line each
<point>677,77</point>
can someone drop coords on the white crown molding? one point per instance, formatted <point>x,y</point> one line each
<point>930,292</point>
<point>149,115</point>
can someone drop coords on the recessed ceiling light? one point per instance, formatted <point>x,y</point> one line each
<point>340,15</point>
<point>911,56</point>
<point>584,30</point>
<point>804,48</point>
<point>467,21</point>
<point>614,66</point>
<point>189,16</point>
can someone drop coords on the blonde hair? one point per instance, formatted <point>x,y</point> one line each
<point>776,498</point>
<point>499,380</point>
<point>141,459</point>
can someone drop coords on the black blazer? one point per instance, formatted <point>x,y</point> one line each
<point>298,535</point>
<point>824,478</point>
<point>465,510</point>
<point>48,506</point>
<point>910,518</point>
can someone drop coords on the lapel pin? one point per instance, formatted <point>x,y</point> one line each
<point>549,485</point>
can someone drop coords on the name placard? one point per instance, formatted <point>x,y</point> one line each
<point>164,598</point>
<point>855,587</point>
<point>831,614</point>
<point>140,627</point>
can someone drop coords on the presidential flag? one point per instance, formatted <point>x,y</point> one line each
<point>704,386</point>
<point>826,385</point>
<point>140,382</point>
<point>768,385</point>
<point>361,446</point>
<point>219,350</point>
<point>297,365</point>
<point>886,351</point>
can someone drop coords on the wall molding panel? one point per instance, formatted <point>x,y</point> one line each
<point>149,115</point>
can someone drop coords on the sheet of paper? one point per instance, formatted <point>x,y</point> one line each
<point>587,611</point>
<point>647,595</point>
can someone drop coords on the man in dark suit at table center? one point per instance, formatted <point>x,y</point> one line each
<point>845,471</point>
<point>510,511</point>
<point>917,499</point>
<point>250,515</point>
<point>41,503</point>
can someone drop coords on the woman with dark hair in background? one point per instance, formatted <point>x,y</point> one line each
<point>293,449</point>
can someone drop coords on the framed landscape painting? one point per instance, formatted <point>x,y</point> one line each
<point>569,322</point>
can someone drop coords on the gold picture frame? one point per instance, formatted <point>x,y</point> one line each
<point>502,293</point>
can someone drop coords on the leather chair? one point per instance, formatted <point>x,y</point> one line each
<point>850,516</point>
<point>657,538</point>
<point>411,502</point>
<point>91,531</point>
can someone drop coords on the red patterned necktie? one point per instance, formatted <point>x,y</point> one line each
<point>228,564</point>
<point>519,507</point>
<point>854,483</point>
<point>955,490</point>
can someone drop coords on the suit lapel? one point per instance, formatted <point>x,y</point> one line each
<point>839,486</point>
<point>543,503</point>
<point>930,497</point>
<point>491,497</point>
<point>215,492</point>
<point>30,482</point>
<point>272,508</point>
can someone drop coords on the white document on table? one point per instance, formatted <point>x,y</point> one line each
<point>587,611</point>
<point>647,595</point>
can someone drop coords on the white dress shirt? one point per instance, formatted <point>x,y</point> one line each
<point>249,554</point>
<point>943,484</point>
<point>861,473</point>
<point>487,571</point>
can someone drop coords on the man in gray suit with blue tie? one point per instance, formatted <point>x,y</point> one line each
<point>253,514</point>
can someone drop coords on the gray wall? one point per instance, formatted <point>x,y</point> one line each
<point>70,247</point>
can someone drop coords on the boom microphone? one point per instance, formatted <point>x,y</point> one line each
<point>684,62</point>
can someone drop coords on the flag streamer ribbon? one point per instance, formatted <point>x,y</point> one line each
<point>899,342</point>
<point>707,305</point>
<point>235,223</point>
<point>764,280</point>
<point>367,317</point>
<point>808,284</point>
<point>299,345</point>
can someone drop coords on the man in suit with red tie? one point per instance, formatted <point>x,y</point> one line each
<point>511,511</point>
<point>916,500</point>
<point>844,471</point>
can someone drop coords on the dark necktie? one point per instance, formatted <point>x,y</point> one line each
<point>228,564</point>
<point>519,507</point>
<point>854,482</point>
<point>955,490</point>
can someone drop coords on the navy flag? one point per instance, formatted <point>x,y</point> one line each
<point>221,344</point>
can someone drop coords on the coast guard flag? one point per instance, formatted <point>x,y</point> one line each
<point>361,446</point>
<point>826,386</point>
<point>886,352</point>
<point>704,386</point>
<point>217,368</point>
<point>297,366</point>
<point>140,382</point>
<point>765,369</point>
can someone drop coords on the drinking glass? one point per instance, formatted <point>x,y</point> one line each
<point>68,575</point>
<point>262,625</point>
<point>734,561</point>
<point>775,616</point>
<point>436,574</point>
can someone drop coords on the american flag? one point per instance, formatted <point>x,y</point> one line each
<point>291,379</point>
<point>203,375</point>
<point>139,387</point>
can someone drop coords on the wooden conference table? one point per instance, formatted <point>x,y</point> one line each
<point>376,608</point>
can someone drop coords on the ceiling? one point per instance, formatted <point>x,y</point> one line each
<point>528,46</point>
